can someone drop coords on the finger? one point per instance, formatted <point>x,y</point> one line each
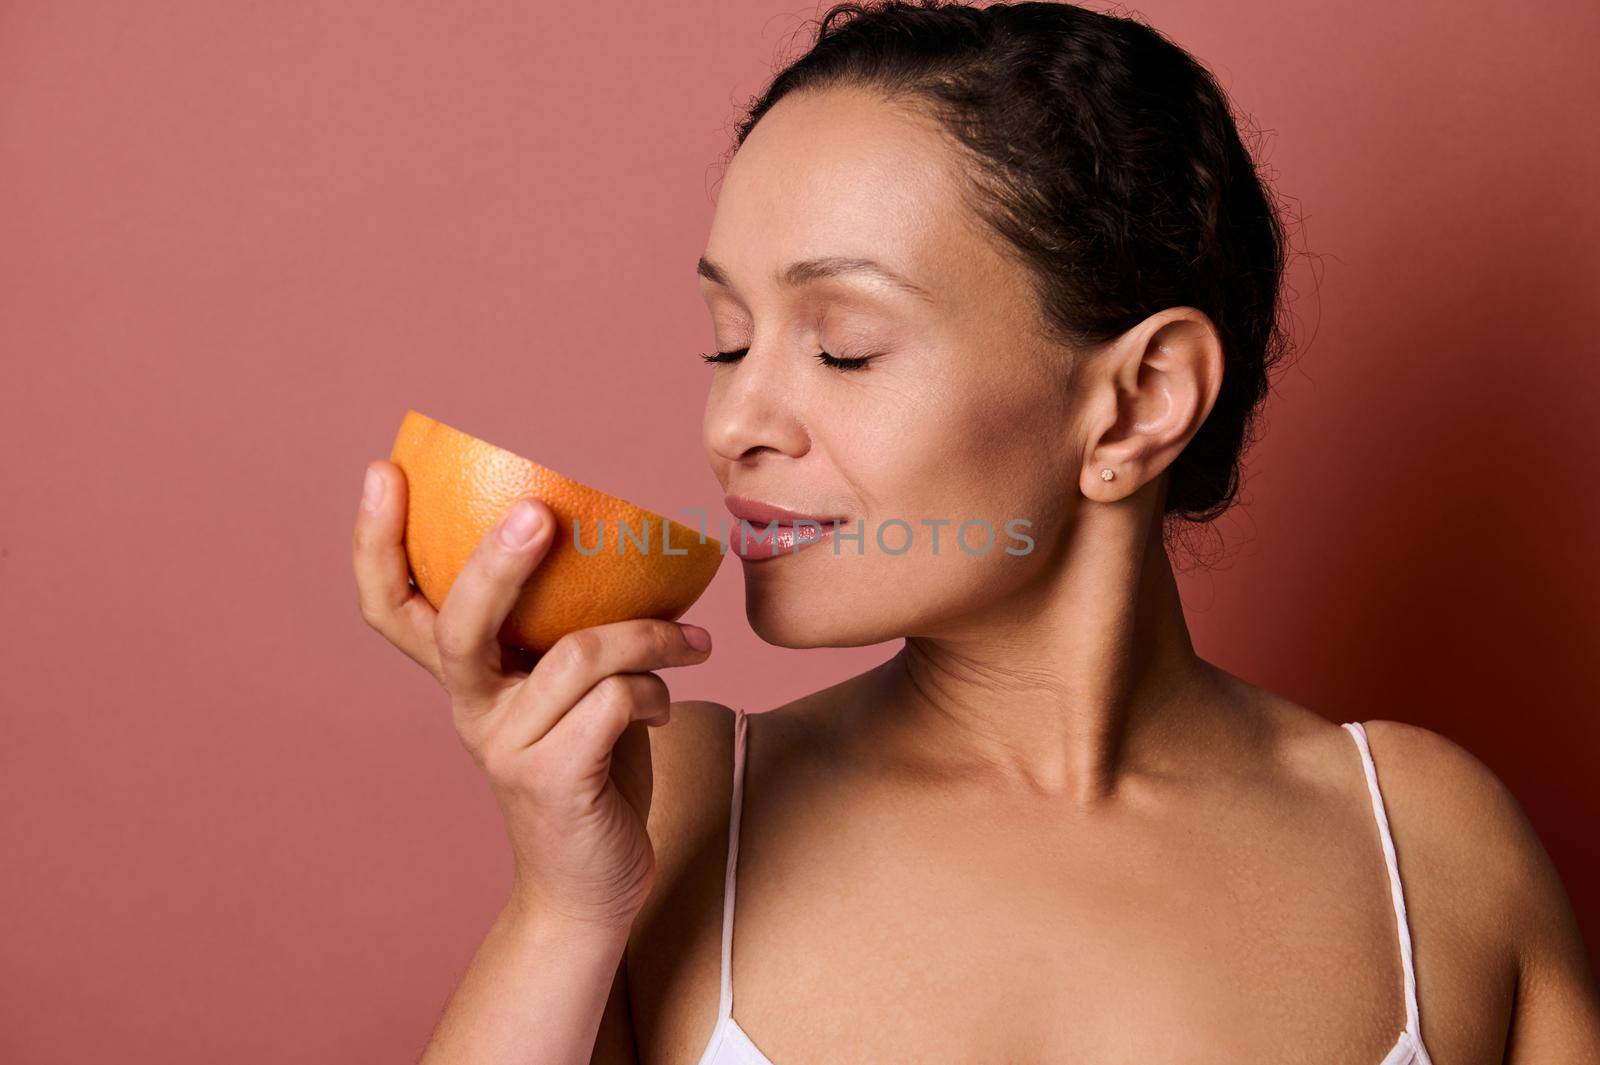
<point>580,660</point>
<point>385,596</point>
<point>635,777</point>
<point>469,622</point>
<point>584,736</point>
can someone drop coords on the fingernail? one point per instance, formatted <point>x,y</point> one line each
<point>696,637</point>
<point>520,525</point>
<point>372,490</point>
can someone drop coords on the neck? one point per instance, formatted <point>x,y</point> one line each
<point>1061,689</point>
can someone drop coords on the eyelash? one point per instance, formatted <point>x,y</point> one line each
<point>837,362</point>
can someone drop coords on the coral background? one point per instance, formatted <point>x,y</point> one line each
<point>240,239</point>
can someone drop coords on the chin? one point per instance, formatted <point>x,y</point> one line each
<point>785,616</point>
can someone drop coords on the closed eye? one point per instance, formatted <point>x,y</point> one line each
<point>840,362</point>
<point>836,361</point>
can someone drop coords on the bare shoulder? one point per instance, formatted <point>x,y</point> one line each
<point>675,939</point>
<point>691,761</point>
<point>1450,797</point>
<point>1459,829</point>
<point>1455,809</point>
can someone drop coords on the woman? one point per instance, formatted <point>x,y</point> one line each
<point>972,265</point>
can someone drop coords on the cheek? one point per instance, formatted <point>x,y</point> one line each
<point>971,449</point>
<point>933,461</point>
<point>707,418</point>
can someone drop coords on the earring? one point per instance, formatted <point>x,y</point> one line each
<point>1106,474</point>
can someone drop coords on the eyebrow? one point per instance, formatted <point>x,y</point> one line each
<point>799,273</point>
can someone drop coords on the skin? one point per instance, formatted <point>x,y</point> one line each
<point>1046,830</point>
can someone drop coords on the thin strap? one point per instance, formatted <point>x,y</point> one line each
<point>1396,893</point>
<point>725,1003</point>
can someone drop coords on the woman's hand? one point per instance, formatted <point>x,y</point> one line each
<point>562,737</point>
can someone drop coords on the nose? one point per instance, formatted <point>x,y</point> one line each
<point>754,409</point>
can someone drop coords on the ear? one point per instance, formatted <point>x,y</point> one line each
<point>1147,395</point>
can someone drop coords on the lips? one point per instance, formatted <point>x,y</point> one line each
<point>791,531</point>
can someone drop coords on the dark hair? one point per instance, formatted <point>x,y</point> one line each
<point>1108,158</point>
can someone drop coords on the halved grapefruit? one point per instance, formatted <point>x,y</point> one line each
<point>457,488</point>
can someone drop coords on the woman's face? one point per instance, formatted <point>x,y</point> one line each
<point>962,412</point>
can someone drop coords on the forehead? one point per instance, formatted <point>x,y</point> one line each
<point>844,172</point>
